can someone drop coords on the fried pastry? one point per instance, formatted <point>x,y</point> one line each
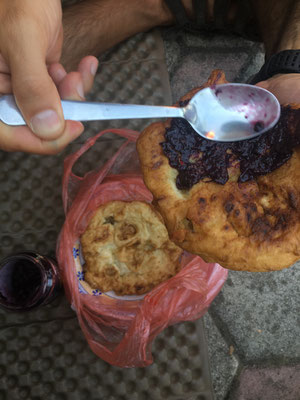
<point>126,249</point>
<point>237,204</point>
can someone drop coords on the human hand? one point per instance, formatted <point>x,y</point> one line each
<point>30,48</point>
<point>286,87</point>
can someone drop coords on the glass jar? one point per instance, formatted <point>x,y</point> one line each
<point>28,280</point>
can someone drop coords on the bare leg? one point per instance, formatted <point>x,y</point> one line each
<point>279,23</point>
<point>93,26</point>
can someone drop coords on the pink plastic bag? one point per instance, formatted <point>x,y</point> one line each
<point>121,331</point>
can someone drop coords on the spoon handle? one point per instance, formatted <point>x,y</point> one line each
<point>89,111</point>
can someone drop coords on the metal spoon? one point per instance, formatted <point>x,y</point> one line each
<point>224,113</point>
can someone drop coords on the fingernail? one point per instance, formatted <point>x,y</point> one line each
<point>94,67</point>
<point>80,90</point>
<point>45,123</point>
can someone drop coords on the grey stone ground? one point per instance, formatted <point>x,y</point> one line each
<point>253,326</point>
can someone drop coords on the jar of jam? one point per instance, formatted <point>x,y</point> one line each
<point>28,280</point>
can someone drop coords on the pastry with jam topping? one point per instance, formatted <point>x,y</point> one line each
<point>234,203</point>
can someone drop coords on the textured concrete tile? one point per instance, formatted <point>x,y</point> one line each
<point>252,66</point>
<point>281,383</point>
<point>260,312</point>
<point>195,68</point>
<point>214,41</point>
<point>238,57</point>
<point>223,360</point>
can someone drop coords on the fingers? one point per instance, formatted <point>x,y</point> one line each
<point>34,90</point>
<point>3,65</point>
<point>22,139</point>
<point>286,87</point>
<point>5,84</point>
<point>73,85</point>
<point>263,84</point>
<point>57,72</point>
<point>88,67</point>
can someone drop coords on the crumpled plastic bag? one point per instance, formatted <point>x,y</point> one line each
<point>121,331</point>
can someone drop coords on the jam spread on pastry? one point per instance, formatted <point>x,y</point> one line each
<point>197,158</point>
<point>237,204</point>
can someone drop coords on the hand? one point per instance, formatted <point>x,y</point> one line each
<point>286,87</point>
<point>30,48</point>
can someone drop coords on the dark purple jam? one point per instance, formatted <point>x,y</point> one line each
<point>28,280</point>
<point>197,158</point>
<point>20,281</point>
<point>259,125</point>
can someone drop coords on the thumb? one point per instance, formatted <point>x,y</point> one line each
<point>36,94</point>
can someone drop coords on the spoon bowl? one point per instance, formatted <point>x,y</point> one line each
<point>232,112</point>
<point>225,113</point>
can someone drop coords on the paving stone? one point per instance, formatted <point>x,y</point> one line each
<point>214,41</point>
<point>251,67</point>
<point>195,69</point>
<point>190,58</point>
<point>223,360</point>
<point>282,383</point>
<point>260,312</point>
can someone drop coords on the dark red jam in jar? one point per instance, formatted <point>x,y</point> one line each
<point>28,280</point>
<point>197,158</point>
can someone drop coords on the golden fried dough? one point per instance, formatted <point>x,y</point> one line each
<point>252,225</point>
<point>126,248</point>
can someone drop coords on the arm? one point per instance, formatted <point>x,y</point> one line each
<point>30,47</point>
<point>280,27</point>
